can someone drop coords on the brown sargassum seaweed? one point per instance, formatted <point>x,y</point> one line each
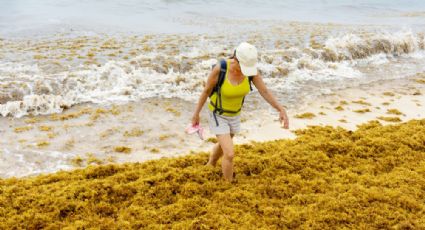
<point>328,177</point>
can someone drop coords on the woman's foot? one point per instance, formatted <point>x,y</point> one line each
<point>209,163</point>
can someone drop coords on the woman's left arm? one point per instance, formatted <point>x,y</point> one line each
<point>268,96</point>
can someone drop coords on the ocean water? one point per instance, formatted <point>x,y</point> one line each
<point>29,17</point>
<point>58,54</point>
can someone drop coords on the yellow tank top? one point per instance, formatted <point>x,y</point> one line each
<point>231,95</point>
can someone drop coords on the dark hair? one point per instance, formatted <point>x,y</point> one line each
<point>233,55</point>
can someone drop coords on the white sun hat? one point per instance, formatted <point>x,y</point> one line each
<point>247,56</point>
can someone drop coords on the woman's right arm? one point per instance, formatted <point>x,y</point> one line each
<point>209,86</point>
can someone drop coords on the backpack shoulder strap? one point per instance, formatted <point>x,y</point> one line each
<point>250,78</point>
<point>221,76</point>
<point>223,70</point>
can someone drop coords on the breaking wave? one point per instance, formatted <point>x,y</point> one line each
<point>354,46</point>
<point>28,88</point>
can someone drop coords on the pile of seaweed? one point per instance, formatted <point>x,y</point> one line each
<point>328,177</point>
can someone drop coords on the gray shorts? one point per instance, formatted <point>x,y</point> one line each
<point>225,124</point>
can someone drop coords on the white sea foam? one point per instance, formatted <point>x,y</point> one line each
<point>375,60</point>
<point>19,163</point>
<point>27,89</point>
<point>353,46</point>
<point>34,104</point>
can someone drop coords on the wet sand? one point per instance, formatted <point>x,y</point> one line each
<point>154,128</point>
<point>350,107</point>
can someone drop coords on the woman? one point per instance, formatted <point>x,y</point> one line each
<point>231,95</point>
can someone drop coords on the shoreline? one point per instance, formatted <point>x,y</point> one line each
<point>350,107</point>
<point>98,134</point>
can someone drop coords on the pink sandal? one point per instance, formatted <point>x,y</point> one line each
<point>191,129</point>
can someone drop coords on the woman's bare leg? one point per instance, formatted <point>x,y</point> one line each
<point>216,153</point>
<point>226,144</point>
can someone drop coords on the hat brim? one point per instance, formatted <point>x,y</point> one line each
<point>248,70</point>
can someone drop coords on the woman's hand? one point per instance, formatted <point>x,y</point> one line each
<point>267,95</point>
<point>195,119</point>
<point>284,119</point>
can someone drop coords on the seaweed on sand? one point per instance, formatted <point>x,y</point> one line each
<point>122,149</point>
<point>362,111</point>
<point>361,102</point>
<point>389,119</point>
<point>339,108</point>
<point>45,128</point>
<point>22,129</point>
<point>394,111</point>
<point>135,132</point>
<point>307,115</point>
<point>391,94</point>
<point>328,177</point>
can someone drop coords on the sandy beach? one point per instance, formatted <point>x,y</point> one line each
<point>154,128</point>
<point>95,97</point>
<point>325,178</point>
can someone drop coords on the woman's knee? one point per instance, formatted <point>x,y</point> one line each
<point>229,155</point>
<point>226,144</point>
